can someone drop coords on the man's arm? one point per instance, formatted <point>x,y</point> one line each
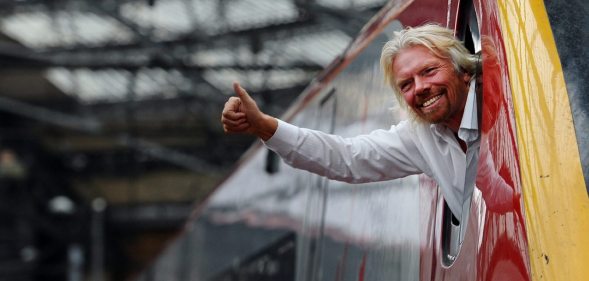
<point>381,155</point>
<point>378,156</point>
<point>242,115</point>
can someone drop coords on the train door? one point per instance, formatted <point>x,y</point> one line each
<point>359,231</point>
<point>310,248</point>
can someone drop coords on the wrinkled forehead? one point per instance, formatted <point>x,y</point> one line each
<point>432,49</point>
<point>412,59</point>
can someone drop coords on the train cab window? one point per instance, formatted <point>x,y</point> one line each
<point>467,29</point>
<point>454,228</point>
<point>450,236</point>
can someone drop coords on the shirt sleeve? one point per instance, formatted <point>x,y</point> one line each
<point>378,156</point>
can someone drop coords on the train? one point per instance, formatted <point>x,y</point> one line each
<point>529,212</point>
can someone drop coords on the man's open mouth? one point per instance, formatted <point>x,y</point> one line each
<point>431,100</point>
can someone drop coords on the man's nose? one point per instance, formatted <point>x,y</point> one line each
<point>421,86</point>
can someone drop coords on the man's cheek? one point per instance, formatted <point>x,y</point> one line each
<point>409,99</point>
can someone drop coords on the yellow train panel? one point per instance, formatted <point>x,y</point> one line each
<point>555,198</point>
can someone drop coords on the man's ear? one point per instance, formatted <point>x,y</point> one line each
<point>466,77</point>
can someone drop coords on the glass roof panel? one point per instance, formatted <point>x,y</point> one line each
<point>90,86</point>
<point>39,29</point>
<point>142,26</point>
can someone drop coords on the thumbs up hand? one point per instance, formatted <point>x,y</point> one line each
<point>242,115</point>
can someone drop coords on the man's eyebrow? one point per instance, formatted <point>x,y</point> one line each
<point>431,63</point>
<point>402,81</point>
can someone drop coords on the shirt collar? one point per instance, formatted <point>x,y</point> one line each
<point>469,125</point>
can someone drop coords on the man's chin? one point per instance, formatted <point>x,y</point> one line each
<point>425,118</point>
<point>429,119</point>
<point>420,119</point>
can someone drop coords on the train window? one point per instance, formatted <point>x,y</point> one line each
<point>450,236</point>
<point>453,228</point>
<point>467,28</point>
<point>473,27</point>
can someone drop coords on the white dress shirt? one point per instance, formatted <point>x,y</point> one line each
<point>405,149</point>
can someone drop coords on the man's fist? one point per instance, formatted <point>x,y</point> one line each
<point>242,115</point>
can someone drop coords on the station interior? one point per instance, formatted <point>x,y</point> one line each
<point>110,131</point>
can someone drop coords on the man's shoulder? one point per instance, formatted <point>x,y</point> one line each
<point>419,131</point>
<point>415,126</point>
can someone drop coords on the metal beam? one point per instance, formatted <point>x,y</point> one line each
<point>93,126</point>
<point>150,215</point>
<point>15,56</point>
<point>84,124</point>
<point>304,25</point>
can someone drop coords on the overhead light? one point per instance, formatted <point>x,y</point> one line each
<point>62,205</point>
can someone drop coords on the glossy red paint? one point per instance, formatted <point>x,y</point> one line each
<point>427,11</point>
<point>505,248</point>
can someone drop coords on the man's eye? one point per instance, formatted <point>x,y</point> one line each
<point>429,70</point>
<point>404,86</point>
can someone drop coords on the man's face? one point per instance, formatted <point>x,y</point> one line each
<point>430,85</point>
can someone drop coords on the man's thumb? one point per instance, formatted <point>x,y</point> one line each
<point>242,94</point>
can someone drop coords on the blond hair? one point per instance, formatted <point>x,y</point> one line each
<point>439,40</point>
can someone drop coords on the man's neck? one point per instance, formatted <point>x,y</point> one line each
<point>454,122</point>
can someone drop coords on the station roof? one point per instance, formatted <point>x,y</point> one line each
<point>99,51</point>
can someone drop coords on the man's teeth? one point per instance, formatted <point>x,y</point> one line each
<point>431,101</point>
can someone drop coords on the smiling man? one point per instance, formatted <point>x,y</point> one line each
<point>430,86</point>
<point>432,74</point>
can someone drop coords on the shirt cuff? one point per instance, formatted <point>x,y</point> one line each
<point>284,138</point>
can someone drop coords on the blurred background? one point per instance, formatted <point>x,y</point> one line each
<point>109,117</point>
